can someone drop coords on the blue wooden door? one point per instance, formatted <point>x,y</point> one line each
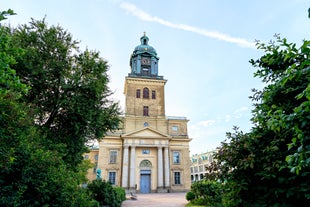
<point>145,183</point>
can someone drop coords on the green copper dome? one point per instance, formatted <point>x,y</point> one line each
<point>144,47</point>
<point>144,61</point>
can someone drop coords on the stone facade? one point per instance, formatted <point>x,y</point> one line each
<point>150,151</point>
<point>199,162</point>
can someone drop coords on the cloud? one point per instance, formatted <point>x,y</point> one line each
<point>131,8</point>
<point>238,113</point>
<point>206,123</point>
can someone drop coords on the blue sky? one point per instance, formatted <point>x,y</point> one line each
<point>204,48</point>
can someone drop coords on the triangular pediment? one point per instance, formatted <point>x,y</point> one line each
<point>146,132</point>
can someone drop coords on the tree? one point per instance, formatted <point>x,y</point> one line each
<point>4,14</point>
<point>69,88</point>
<point>30,173</point>
<point>269,166</point>
<point>35,167</point>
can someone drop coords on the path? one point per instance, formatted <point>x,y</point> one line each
<point>157,200</point>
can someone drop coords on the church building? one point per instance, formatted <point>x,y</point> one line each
<point>150,152</point>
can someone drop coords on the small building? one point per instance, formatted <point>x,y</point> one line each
<point>199,162</point>
<point>150,153</point>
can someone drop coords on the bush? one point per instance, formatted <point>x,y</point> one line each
<point>199,202</point>
<point>190,196</point>
<point>120,194</point>
<point>103,192</point>
<point>207,192</point>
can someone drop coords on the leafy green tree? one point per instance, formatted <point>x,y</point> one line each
<point>12,112</point>
<point>269,166</point>
<point>69,88</point>
<point>30,173</point>
<point>32,169</point>
<point>4,14</point>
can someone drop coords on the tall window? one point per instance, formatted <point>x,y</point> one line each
<point>138,93</point>
<point>95,168</point>
<point>145,110</point>
<point>145,92</point>
<point>176,157</point>
<point>153,94</point>
<point>112,177</point>
<point>177,178</point>
<point>113,155</point>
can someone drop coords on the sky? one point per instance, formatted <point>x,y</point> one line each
<point>204,48</point>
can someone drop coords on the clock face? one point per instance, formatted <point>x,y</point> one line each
<point>146,61</point>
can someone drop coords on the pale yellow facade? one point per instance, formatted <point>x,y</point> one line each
<point>150,151</point>
<point>199,164</point>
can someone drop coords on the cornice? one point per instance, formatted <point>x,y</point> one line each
<point>145,80</point>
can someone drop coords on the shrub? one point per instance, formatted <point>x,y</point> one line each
<point>190,196</point>
<point>103,192</point>
<point>120,194</point>
<point>207,192</point>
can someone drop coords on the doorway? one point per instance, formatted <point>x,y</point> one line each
<point>145,181</point>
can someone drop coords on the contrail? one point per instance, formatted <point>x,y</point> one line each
<point>213,34</point>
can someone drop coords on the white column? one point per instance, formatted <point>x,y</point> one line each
<point>132,167</point>
<point>125,168</point>
<point>167,168</point>
<point>160,179</point>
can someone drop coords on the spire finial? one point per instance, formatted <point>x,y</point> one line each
<point>144,33</point>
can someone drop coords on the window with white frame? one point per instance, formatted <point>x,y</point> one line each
<point>176,157</point>
<point>113,156</point>
<point>112,178</point>
<point>177,178</point>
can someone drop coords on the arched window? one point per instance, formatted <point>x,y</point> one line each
<point>145,92</point>
<point>145,110</point>
<point>145,163</point>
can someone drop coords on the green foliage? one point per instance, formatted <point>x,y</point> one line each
<point>69,88</point>
<point>4,14</point>
<point>120,193</point>
<point>39,178</point>
<point>269,166</point>
<point>207,192</point>
<point>40,162</point>
<point>103,192</point>
<point>30,174</point>
<point>288,98</point>
<point>190,196</point>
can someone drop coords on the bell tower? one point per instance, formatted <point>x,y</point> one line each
<point>150,152</point>
<point>144,60</point>
<point>144,88</point>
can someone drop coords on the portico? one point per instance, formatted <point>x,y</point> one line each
<point>146,152</point>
